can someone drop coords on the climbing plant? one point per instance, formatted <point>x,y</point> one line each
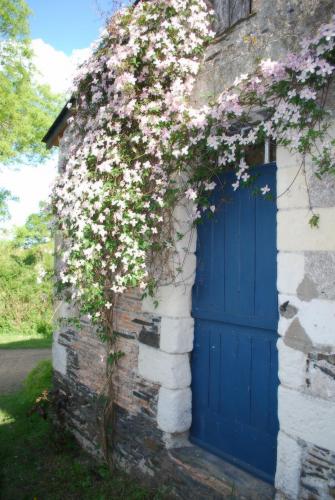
<point>137,146</point>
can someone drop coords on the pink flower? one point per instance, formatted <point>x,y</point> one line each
<point>270,68</point>
<point>213,141</point>
<point>191,194</point>
<point>307,94</point>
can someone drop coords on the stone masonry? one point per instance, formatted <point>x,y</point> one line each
<point>153,396</point>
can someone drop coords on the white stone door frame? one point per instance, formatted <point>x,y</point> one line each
<point>170,365</point>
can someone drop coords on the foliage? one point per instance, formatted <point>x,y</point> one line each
<point>26,270</point>
<point>38,461</point>
<point>137,147</point>
<point>35,231</point>
<point>14,19</point>
<point>5,197</point>
<point>39,379</point>
<point>26,107</point>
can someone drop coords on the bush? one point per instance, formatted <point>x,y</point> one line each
<point>26,289</point>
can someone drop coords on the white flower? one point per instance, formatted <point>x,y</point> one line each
<point>240,79</point>
<point>41,275</point>
<point>265,189</point>
<point>209,186</point>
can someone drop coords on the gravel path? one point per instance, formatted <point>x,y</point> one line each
<point>16,364</point>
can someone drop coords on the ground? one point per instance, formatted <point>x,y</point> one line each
<point>16,364</point>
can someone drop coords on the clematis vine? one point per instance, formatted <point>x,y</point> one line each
<point>127,138</point>
<point>137,147</point>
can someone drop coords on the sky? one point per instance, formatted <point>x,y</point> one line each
<point>62,32</point>
<point>68,24</point>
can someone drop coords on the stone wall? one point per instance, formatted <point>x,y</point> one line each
<point>272,29</point>
<point>306,284</point>
<point>154,400</point>
<point>146,380</point>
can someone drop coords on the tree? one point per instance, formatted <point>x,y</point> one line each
<point>26,107</point>
<point>36,230</point>
<point>26,271</point>
<point>5,197</point>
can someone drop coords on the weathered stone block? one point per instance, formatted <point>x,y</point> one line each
<point>297,338</point>
<point>177,335</point>
<point>292,366</point>
<point>59,355</point>
<point>320,269</point>
<point>170,370</point>
<point>286,159</point>
<point>321,375</point>
<point>314,319</point>
<point>318,474</point>
<point>64,310</point>
<point>321,191</point>
<point>186,234</point>
<point>296,235</point>
<point>306,417</point>
<point>290,271</point>
<point>149,334</point>
<point>318,318</point>
<point>307,289</point>
<point>289,454</point>
<point>291,188</point>
<point>172,301</point>
<point>284,322</point>
<point>184,265</point>
<point>174,410</point>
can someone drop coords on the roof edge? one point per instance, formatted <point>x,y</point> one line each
<point>56,130</point>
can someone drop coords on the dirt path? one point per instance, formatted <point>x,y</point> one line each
<point>16,364</point>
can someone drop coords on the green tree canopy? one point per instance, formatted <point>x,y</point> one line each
<point>36,230</point>
<point>26,271</point>
<point>26,107</point>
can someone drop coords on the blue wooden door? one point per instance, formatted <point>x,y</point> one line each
<point>234,362</point>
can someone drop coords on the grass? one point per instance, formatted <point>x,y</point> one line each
<point>14,341</point>
<point>36,462</point>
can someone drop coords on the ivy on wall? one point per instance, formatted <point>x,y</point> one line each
<point>138,147</point>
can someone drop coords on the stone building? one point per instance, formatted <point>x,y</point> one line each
<point>164,370</point>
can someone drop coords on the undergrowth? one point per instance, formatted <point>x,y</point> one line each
<point>39,462</point>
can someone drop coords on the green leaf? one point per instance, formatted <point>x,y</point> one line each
<point>314,221</point>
